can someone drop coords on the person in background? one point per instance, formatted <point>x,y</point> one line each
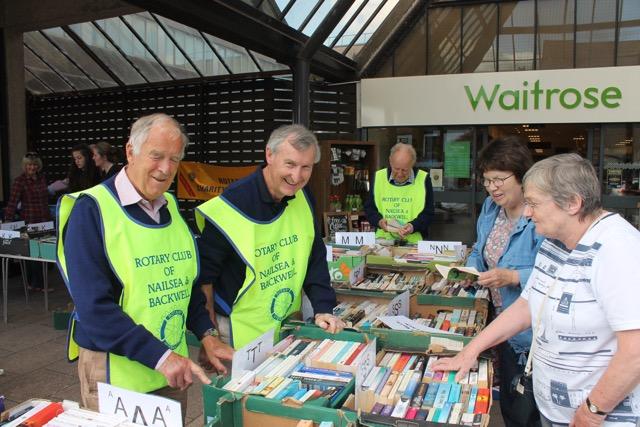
<point>581,301</point>
<point>505,252</point>
<point>404,193</point>
<point>28,201</point>
<point>105,157</point>
<point>261,247</point>
<point>82,172</point>
<point>130,262</point>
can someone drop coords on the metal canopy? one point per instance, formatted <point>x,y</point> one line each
<point>203,38</point>
<point>249,27</point>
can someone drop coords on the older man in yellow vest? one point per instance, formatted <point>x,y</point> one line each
<point>260,246</point>
<point>400,204</point>
<point>130,263</point>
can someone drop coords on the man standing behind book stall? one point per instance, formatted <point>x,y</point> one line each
<point>260,245</point>
<point>130,263</point>
<point>401,200</point>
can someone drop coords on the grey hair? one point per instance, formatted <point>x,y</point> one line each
<point>399,146</point>
<point>28,160</point>
<point>565,176</point>
<point>299,136</point>
<point>141,127</point>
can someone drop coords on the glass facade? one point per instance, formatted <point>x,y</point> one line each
<point>518,36</point>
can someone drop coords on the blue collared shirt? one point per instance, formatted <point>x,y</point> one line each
<point>519,255</point>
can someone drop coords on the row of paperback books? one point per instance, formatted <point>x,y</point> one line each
<point>391,281</point>
<point>460,321</point>
<point>303,370</point>
<point>360,315</point>
<point>402,385</point>
<point>450,288</point>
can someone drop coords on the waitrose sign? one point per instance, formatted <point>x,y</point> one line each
<point>562,96</point>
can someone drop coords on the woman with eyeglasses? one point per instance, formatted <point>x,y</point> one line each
<point>581,302</point>
<point>504,253</point>
<point>28,201</point>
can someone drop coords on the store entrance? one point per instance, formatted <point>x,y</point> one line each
<point>548,139</point>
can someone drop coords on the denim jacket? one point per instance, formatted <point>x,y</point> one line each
<point>520,255</point>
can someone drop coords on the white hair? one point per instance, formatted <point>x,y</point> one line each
<point>141,127</point>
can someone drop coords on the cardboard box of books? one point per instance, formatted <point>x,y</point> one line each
<point>308,375</point>
<point>402,389</point>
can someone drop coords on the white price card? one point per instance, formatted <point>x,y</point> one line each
<point>329,253</point>
<point>40,226</point>
<point>12,225</point>
<point>436,247</point>
<point>365,362</point>
<point>252,354</point>
<point>356,274</point>
<point>399,306</point>
<point>355,239</point>
<point>139,408</point>
<point>9,234</point>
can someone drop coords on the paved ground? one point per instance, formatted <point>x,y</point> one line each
<point>33,357</point>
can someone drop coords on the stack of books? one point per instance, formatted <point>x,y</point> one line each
<point>302,370</point>
<point>404,386</point>
<point>451,288</point>
<point>390,282</point>
<point>360,315</point>
<point>460,321</point>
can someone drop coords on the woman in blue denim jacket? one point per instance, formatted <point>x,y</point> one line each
<point>505,253</point>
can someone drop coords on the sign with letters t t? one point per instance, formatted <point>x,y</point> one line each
<point>251,355</point>
<point>139,408</point>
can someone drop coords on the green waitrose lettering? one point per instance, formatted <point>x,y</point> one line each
<point>538,97</point>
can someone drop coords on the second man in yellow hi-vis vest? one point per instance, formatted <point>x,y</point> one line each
<point>261,248</point>
<point>130,263</point>
<point>400,204</point>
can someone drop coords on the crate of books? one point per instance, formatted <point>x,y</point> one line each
<point>402,389</point>
<point>390,279</point>
<point>449,287</point>
<point>410,257</point>
<point>308,375</point>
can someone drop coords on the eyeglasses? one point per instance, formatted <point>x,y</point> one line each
<point>498,182</point>
<point>32,155</point>
<point>531,205</point>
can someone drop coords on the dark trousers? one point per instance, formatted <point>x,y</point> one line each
<point>34,274</point>
<point>512,412</point>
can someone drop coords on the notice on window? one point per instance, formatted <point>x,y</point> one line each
<point>457,159</point>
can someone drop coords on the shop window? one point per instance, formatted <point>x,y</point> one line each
<point>516,40</point>
<point>479,37</point>
<point>621,158</point>
<point>411,55</point>
<point>629,33</point>
<point>444,41</point>
<point>555,34</point>
<point>595,33</point>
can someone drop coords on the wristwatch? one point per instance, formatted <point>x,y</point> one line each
<point>593,408</point>
<point>211,332</point>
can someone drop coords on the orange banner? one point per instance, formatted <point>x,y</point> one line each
<point>200,181</point>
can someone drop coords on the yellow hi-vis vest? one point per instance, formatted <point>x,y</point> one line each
<point>157,266</point>
<point>276,254</point>
<point>403,203</point>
